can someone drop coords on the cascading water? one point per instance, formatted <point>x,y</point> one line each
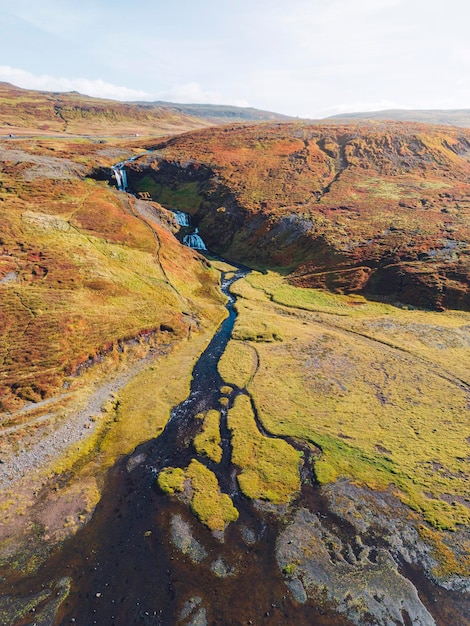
<point>181,218</point>
<point>120,173</point>
<point>194,241</point>
<point>121,176</point>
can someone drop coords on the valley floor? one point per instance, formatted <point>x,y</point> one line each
<point>381,516</point>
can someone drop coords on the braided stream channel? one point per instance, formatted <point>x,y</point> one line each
<point>144,558</point>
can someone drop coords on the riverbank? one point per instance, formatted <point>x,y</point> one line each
<point>50,487</point>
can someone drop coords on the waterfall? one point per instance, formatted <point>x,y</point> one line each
<point>182,218</point>
<point>124,179</point>
<point>121,176</point>
<point>194,241</point>
<point>120,173</point>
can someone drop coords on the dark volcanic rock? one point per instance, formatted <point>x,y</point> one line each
<point>361,587</point>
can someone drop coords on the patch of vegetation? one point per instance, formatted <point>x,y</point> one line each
<point>269,466</point>
<point>289,570</point>
<point>207,442</point>
<point>280,291</point>
<point>213,508</point>
<point>238,363</point>
<point>451,562</point>
<point>381,189</point>
<point>184,196</point>
<point>442,339</point>
<point>376,403</point>
<point>260,328</point>
<point>171,480</point>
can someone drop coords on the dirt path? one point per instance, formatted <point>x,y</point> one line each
<point>30,460</point>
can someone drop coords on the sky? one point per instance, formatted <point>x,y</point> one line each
<point>306,58</point>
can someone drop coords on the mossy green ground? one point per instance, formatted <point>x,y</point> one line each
<point>213,508</point>
<point>269,466</point>
<point>185,197</point>
<point>238,363</point>
<point>375,386</point>
<point>207,442</point>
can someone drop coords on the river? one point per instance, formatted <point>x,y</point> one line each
<point>125,567</point>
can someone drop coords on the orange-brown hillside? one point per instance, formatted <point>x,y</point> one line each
<point>82,274</point>
<point>379,208</point>
<point>24,111</point>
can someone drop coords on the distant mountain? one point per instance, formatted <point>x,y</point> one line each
<point>451,117</point>
<point>220,113</point>
<point>25,111</point>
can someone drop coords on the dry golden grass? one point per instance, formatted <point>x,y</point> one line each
<point>25,111</point>
<point>449,562</point>
<point>80,271</point>
<point>135,417</point>
<point>238,363</point>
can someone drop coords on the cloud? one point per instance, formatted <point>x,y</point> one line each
<point>193,92</point>
<point>97,88</point>
<point>190,92</point>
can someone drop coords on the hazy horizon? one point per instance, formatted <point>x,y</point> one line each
<point>309,59</point>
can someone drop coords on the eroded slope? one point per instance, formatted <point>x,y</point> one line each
<point>379,208</point>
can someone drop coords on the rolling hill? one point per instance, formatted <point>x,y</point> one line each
<point>25,111</point>
<point>444,117</point>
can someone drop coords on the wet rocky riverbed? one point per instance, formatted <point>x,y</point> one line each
<point>342,555</point>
